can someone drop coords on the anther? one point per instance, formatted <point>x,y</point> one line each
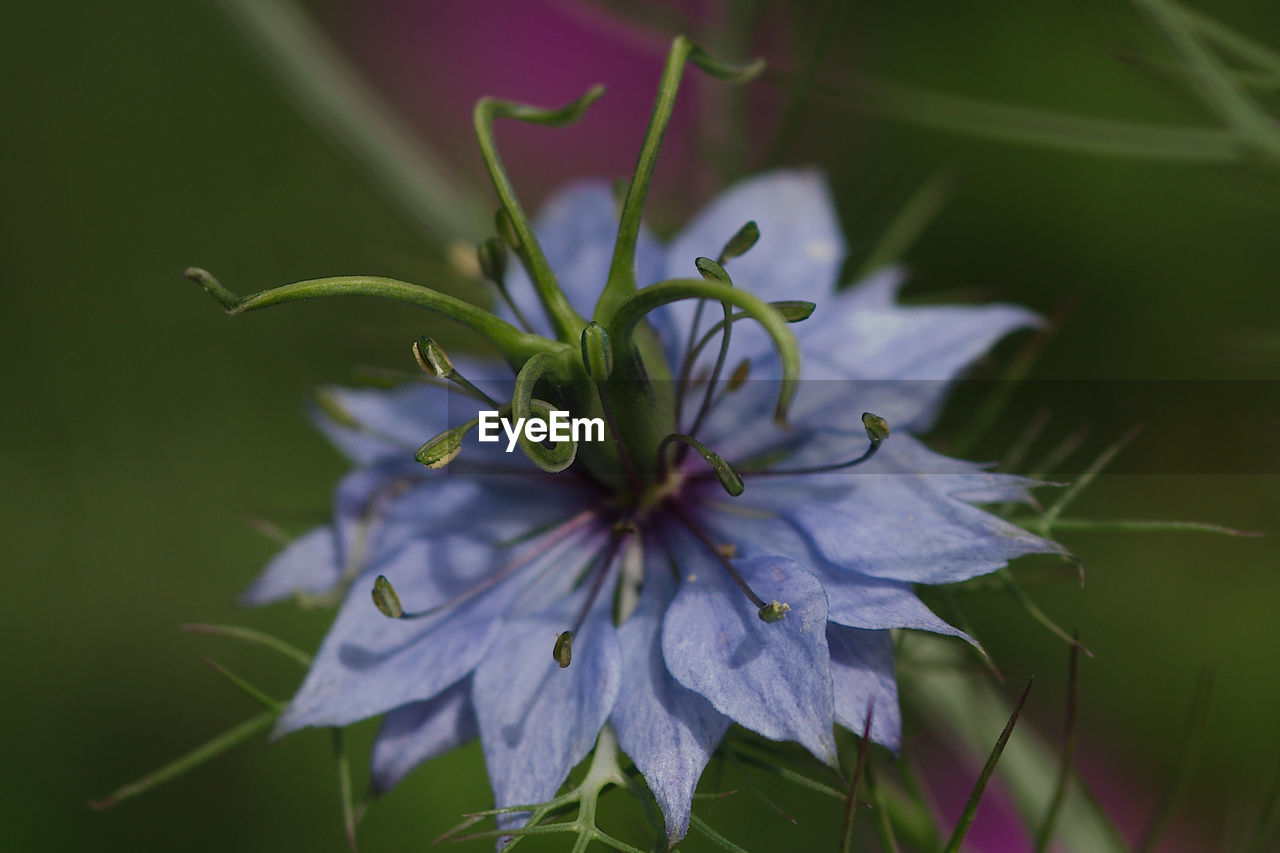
<point>443,449</point>
<point>728,550</point>
<point>432,358</point>
<point>768,611</point>
<point>435,362</point>
<point>563,650</point>
<point>385,598</point>
<point>773,611</point>
<point>739,375</point>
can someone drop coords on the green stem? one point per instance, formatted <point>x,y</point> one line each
<point>210,749</point>
<point>516,346</point>
<point>621,282</point>
<point>564,319</point>
<point>633,309</point>
<point>622,269</point>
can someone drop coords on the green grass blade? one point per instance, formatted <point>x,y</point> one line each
<point>910,222</point>
<point>1222,94</point>
<point>1027,126</point>
<point>329,91</point>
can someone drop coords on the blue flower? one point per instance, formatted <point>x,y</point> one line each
<point>494,559</point>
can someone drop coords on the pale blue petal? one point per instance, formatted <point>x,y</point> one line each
<point>419,731</point>
<point>903,356</point>
<point>576,228</point>
<point>668,730</point>
<point>537,720</point>
<point>774,679</point>
<point>308,565</point>
<point>862,672</point>
<point>369,664</point>
<point>886,520</point>
<point>853,599</point>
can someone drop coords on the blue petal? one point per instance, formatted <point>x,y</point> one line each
<point>853,599</point>
<point>576,228</point>
<point>308,565</point>
<point>774,679</point>
<point>369,664</point>
<point>862,672</point>
<point>537,720</point>
<point>668,730</point>
<point>904,356</point>
<point>414,733</point>
<point>887,520</point>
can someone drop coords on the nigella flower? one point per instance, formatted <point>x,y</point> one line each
<point>702,566</point>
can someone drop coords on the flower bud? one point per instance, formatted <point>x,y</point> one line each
<point>597,352</point>
<point>385,598</point>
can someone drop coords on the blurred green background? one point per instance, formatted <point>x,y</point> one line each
<point>142,427</point>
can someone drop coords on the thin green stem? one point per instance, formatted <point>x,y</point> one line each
<point>256,637</point>
<point>343,766</point>
<point>621,282</point>
<point>515,345</point>
<point>564,319</point>
<point>1066,768</point>
<point>245,687</point>
<point>632,310</point>
<point>622,268</point>
<point>975,797</point>
<point>210,749</point>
